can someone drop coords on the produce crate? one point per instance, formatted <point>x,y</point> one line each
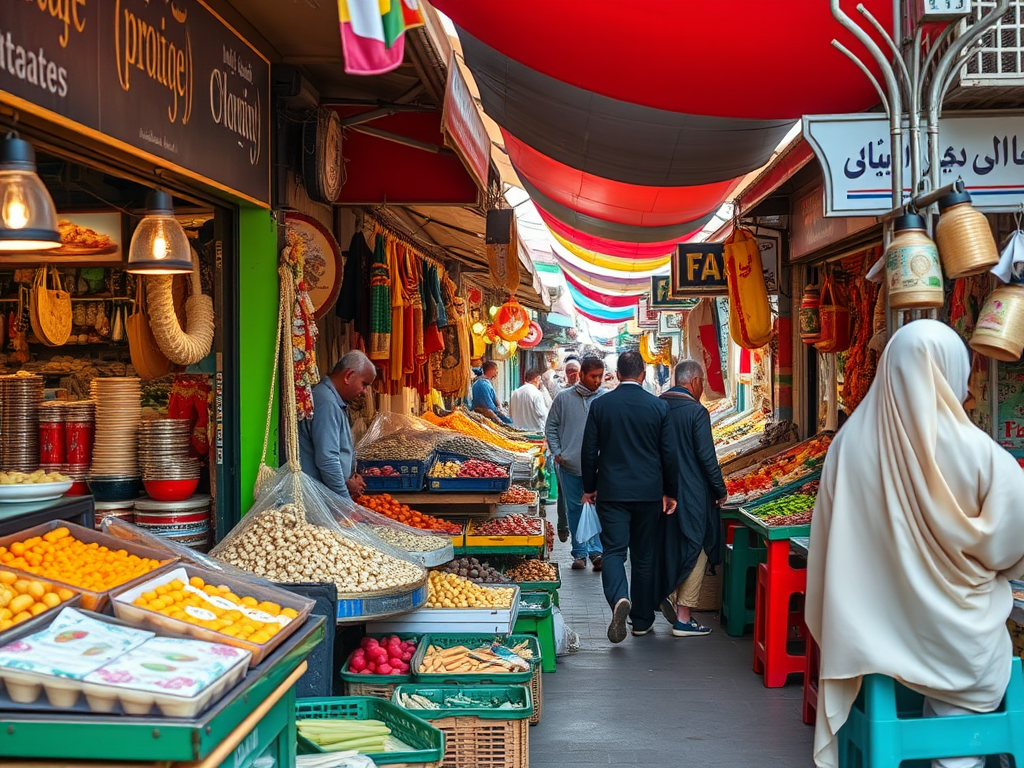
<point>492,621</point>
<point>379,686</point>
<point>773,533</point>
<point>480,737</point>
<point>42,620</point>
<point>124,608</point>
<point>535,618</point>
<point>474,678</point>
<point>484,542</point>
<point>467,484</point>
<point>551,587</point>
<point>93,601</point>
<point>411,474</point>
<point>427,741</point>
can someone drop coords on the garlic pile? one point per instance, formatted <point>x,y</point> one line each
<point>282,546</point>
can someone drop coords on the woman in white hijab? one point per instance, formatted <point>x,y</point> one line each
<point>918,526</point>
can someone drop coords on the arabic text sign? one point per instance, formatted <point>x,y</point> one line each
<point>985,149</point>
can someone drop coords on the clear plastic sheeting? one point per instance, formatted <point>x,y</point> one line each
<point>297,531</point>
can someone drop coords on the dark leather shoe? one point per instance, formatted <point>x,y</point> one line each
<point>617,627</point>
<point>579,564</point>
<point>563,535</point>
<point>598,564</point>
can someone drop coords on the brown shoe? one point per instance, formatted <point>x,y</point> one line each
<point>579,564</point>
<point>617,627</point>
<point>598,564</point>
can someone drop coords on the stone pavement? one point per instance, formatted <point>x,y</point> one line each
<point>659,701</point>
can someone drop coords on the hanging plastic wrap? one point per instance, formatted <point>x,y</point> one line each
<point>297,531</point>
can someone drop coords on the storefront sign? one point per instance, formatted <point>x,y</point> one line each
<point>985,150</point>
<point>698,269</point>
<point>167,81</point>
<point>464,126</point>
<point>811,231</point>
<point>662,296</point>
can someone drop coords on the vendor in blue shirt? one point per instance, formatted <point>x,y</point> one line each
<point>326,449</point>
<point>485,400</point>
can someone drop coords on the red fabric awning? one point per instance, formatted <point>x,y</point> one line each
<point>744,58</point>
<point>608,299</point>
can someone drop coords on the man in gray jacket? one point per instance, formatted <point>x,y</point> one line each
<point>564,431</point>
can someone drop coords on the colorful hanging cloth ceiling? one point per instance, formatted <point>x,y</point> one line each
<point>606,298</point>
<point>625,282</point>
<point>604,261</point>
<point>611,247</point>
<point>598,312</point>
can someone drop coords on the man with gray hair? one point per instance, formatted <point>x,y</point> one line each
<point>326,449</point>
<point>690,539</point>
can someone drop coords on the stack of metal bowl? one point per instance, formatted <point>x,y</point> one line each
<point>20,396</point>
<point>168,472</point>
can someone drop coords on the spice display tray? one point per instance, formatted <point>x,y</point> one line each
<point>94,601</point>
<point>112,737</point>
<point>776,533</point>
<point>467,484</point>
<point>141,617</point>
<point>476,541</point>
<point>471,640</point>
<point>427,742</point>
<point>411,475</point>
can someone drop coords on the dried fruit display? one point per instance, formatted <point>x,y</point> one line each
<point>516,494</point>
<point>472,569</point>
<point>510,525</point>
<point>777,471</point>
<point>386,505</point>
<point>460,422</point>
<point>467,468</point>
<point>463,659</point>
<point>801,518</point>
<point>403,445</point>
<point>533,570</point>
<point>410,542</point>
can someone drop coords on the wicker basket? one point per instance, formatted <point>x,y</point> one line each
<point>536,693</point>
<point>377,690</point>
<point>1017,636</point>
<point>710,592</point>
<point>471,742</point>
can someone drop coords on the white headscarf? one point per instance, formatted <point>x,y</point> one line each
<point>918,525</point>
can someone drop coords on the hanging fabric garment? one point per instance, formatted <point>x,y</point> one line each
<point>380,303</point>
<point>353,301</point>
<point>406,267</point>
<point>398,304</point>
<point>190,399</point>
<point>434,316</point>
<point>702,339</point>
<point>454,362</point>
<point>304,330</point>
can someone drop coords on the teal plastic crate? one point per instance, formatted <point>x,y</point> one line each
<point>357,677</point>
<point>471,641</point>
<point>427,742</point>
<point>486,695</point>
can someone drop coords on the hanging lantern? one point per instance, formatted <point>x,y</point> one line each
<point>503,350</point>
<point>810,315</point>
<point>479,329</point>
<point>533,338</point>
<point>512,321</point>
<point>964,237</point>
<point>28,219</point>
<point>912,266</point>
<point>159,245</point>
<point>999,333</point>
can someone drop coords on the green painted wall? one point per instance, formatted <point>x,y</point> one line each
<point>257,335</point>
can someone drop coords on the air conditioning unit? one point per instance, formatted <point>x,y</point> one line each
<point>998,60</point>
<point>293,88</point>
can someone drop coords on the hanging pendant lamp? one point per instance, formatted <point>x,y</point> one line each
<point>159,245</point>
<point>28,218</point>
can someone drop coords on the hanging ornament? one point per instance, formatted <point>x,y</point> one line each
<point>533,338</point>
<point>512,321</point>
<point>964,237</point>
<point>999,333</point>
<point>503,350</point>
<point>810,315</point>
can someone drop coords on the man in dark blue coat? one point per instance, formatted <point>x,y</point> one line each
<point>630,471</point>
<point>690,538</point>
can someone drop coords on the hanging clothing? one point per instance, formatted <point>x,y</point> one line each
<point>190,399</point>
<point>398,304</point>
<point>354,300</point>
<point>380,303</point>
<point>917,528</point>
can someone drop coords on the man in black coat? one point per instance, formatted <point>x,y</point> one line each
<point>690,539</point>
<point>630,471</point>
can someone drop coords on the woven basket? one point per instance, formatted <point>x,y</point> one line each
<point>377,690</point>
<point>471,742</point>
<point>50,310</point>
<point>536,693</point>
<point>710,598</point>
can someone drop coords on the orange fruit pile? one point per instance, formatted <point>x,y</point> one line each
<point>175,601</point>
<point>384,504</point>
<point>60,556</point>
<point>21,599</point>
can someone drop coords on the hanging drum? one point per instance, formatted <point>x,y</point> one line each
<point>323,167</point>
<point>533,338</point>
<point>512,321</point>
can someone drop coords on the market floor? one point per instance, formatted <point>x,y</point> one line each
<point>658,701</point>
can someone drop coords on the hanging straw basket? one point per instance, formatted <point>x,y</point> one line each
<point>50,309</point>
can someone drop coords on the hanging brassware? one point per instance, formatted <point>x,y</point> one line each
<point>810,315</point>
<point>512,321</point>
<point>999,333</point>
<point>913,272</point>
<point>964,237</point>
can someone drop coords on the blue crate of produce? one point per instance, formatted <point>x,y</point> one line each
<point>404,475</point>
<point>468,484</point>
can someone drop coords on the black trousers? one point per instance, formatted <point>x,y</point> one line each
<point>630,525</point>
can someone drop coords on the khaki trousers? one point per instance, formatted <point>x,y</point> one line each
<point>687,594</point>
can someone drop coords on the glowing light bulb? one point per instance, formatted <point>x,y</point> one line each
<point>160,246</point>
<point>15,211</point>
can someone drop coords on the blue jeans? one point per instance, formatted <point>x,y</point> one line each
<point>572,489</point>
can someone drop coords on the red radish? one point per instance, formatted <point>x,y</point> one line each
<point>357,664</point>
<point>407,656</point>
<point>384,669</point>
<point>372,666</point>
<point>366,672</point>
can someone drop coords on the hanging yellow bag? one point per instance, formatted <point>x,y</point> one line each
<point>750,315</point>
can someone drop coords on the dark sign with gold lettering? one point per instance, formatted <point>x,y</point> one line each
<point>698,269</point>
<point>662,296</point>
<point>166,79</point>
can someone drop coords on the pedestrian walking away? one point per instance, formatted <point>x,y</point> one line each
<point>631,473</point>
<point>690,539</point>
<point>571,369</point>
<point>527,406</point>
<point>326,450</point>
<point>564,430</point>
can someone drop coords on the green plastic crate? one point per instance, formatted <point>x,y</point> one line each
<point>475,678</point>
<point>426,740</point>
<point>534,604</point>
<point>356,677</point>
<point>517,694</point>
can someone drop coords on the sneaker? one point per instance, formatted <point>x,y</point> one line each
<point>668,610</point>
<point>617,627</point>
<point>598,563</point>
<point>579,564</point>
<point>563,535</point>
<point>691,629</point>
<point>642,632</point>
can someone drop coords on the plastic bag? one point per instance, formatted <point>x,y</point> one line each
<point>297,531</point>
<point>590,524</point>
<point>394,436</point>
<point>566,640</point>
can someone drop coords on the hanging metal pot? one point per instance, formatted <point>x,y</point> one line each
<point>964,237</point>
